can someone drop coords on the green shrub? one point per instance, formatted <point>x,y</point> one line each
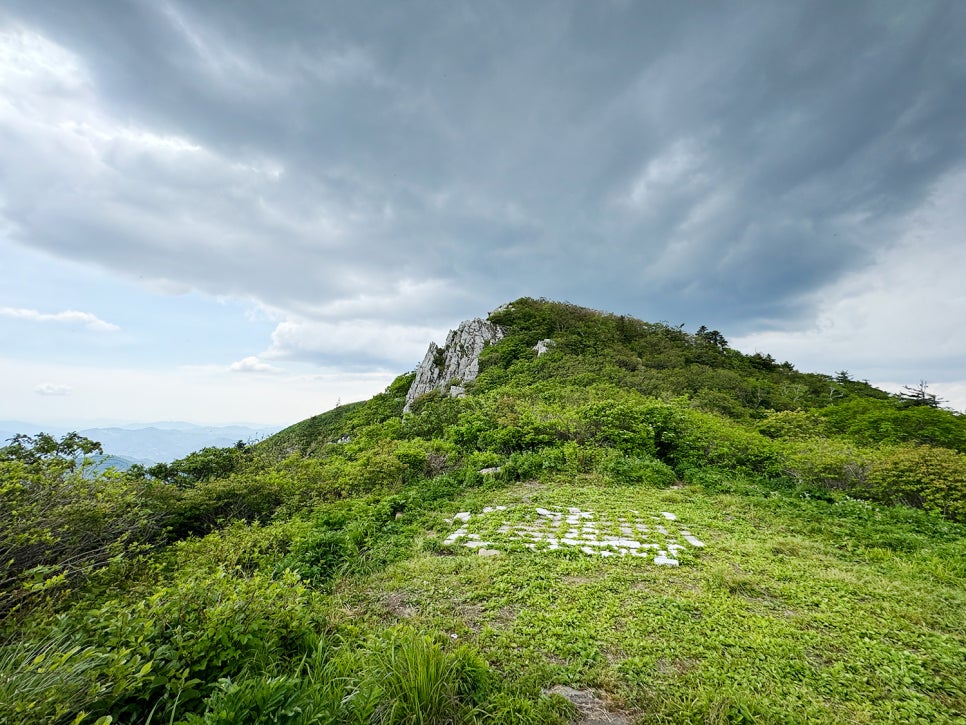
<point>792,425</point>
<point>319,558</point>
<point>637,470</point>
<point>60,520</point>
<point>618,425</point>
<point>922,476</point>
<point>204,626</point>
<point>825,463</point>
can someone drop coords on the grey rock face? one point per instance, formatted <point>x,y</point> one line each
<point>456,363</point>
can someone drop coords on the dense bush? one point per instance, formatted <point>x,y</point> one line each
<point>60,520</point>
<point>921,476</point>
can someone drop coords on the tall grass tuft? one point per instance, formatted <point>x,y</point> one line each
<point>422,683</point>
<point>48,680</point>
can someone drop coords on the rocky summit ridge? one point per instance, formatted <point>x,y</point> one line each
<point>456,363</point>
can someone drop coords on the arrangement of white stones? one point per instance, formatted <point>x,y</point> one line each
<point>633,534</point>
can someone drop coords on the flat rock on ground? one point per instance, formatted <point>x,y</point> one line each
<point>591,708</point>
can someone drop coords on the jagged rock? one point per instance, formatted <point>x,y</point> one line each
<point>456,363</point>
<point>543,346</point>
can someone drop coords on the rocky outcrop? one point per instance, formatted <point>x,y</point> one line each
<point>544,346</point>
<point>456,363</point>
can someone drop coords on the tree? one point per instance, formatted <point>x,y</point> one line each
<point>920,395</point>
<point>46,451</point>
<point>713,336</point>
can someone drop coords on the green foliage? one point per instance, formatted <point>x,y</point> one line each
<point>826,464</point>
<point>59,521</point>
<point>791,425</point>
<point>870,421</point>
<point>268,583</point>
<point>422,682</point>
<point>48,681</point>
<point>45,452</point>
<point>922,476</point>
<point>203,465</point>
<point>204,626</point>
<point>637,471</point>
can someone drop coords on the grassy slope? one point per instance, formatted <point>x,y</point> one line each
<point>805,605</point>
<point>796,610</point>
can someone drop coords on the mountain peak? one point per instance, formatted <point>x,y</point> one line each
<point>450,367</point>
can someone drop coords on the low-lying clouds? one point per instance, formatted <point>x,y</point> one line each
<point>373,173</point>
<point>91,322</point>
<point>52,389</point>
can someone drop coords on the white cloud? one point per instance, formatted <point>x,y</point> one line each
<point>207,395</point>
<point>366,342</point>
<point>52,389</point>
<point>91,322</point>
<point>899,318</point>
<point>675,170</point>
<point>252,364</point>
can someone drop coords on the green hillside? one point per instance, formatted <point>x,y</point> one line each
<point>640,525</point>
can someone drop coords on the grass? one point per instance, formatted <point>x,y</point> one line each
<point>796,610</point>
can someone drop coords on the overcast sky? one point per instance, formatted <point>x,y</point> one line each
<point>248,211</point>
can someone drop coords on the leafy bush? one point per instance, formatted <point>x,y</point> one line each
<point>59,520</point>
<point>204,626</point>
<point>870,421</point>
<point>826,464</point>
<point>637,470</point>
<point>791,425</point>
<point>319,558</point>
<point>922,476</point>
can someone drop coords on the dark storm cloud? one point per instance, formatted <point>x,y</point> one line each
<point>420,161</point>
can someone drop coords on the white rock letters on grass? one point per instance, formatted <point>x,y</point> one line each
<point>658,538</point>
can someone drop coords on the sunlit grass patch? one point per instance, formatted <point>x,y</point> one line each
<point>777,619</point>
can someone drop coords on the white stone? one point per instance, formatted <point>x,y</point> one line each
<point>669,516</point>
<point>458,534</point>
<point>542,533</point>
<point>543,346</point>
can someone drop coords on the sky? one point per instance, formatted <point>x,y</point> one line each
<point>252,211</point>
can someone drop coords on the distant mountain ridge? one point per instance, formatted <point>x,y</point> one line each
<point>149,443</point>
